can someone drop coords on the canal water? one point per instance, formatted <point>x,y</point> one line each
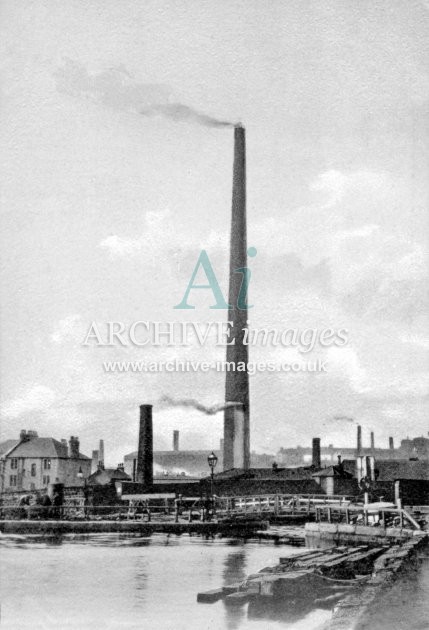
<point>116,582</point>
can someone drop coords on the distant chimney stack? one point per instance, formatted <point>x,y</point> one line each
<point>94,462</point>
<point>24,435</point>
<point>372,440</point>
<point>316,462</point>
<point>101,453</point>
<point>121,467</point>
<point>145,447</point>
<point>175,441</point>
<point>391,445</point>
<point>74,447</point>
<point>359,440</point>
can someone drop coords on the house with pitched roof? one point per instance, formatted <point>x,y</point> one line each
<point>33,462</point>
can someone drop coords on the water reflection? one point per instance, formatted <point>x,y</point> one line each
<point>118,580</point>
<point>234,571</point>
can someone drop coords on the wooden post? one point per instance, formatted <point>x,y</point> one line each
<point>329,515</point>
<point>365,517</point>
<point>397,492</point>
<point>347,516</point>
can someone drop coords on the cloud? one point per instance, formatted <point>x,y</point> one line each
<point>37,398</point>
<point>69,328</point>
<point>158,239</point>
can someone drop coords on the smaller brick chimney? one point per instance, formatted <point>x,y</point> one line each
<point>315,453</point>
<point>175,440</point>
<point>74,447</point>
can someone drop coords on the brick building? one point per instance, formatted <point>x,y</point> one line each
<point>33,462</point>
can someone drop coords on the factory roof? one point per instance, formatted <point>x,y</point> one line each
<point>333,471</point>
<point>266,473</point>
<point>402,469</point>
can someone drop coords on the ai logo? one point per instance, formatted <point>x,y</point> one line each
<point>204,262</point>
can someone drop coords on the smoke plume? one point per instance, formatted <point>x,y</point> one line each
<point>347,419</point>
<point>167,401</point>
<point>184,113</point>
<point>116,89</point>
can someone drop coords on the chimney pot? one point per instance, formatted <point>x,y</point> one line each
<point>74,447</point>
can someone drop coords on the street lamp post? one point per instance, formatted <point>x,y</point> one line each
<point>212,461</point>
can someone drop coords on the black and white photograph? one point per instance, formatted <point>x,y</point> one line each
<point>214,322</point>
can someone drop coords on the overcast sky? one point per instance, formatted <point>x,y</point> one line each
<point>104,210</point>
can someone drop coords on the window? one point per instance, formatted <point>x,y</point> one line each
<point>46,464</point>
<point>46,480</point>
<point>33,470</point>
<point>13,480</point>
<point>14,463</point>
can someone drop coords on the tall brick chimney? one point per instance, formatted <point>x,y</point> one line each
<point>391,445</point>
<point>237,383</point>
<point>372,441</point>
<point>316,453</point>
<point>175,441</point>
<point>359,440</point>
<point>145,447</point>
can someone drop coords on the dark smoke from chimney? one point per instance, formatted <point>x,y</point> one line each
<point>116,89</point>
<point>344,419</point>
<point>183,113</point>
<point>167,401</point>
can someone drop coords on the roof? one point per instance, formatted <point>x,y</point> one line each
<point>106,475</point>
<point>402,469</point>
<point>333,471</point>
<point>266,473</point>
<point>7,445</point>
<point>42,447</point>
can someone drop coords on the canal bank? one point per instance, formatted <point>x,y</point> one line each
<point>242,529</point>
